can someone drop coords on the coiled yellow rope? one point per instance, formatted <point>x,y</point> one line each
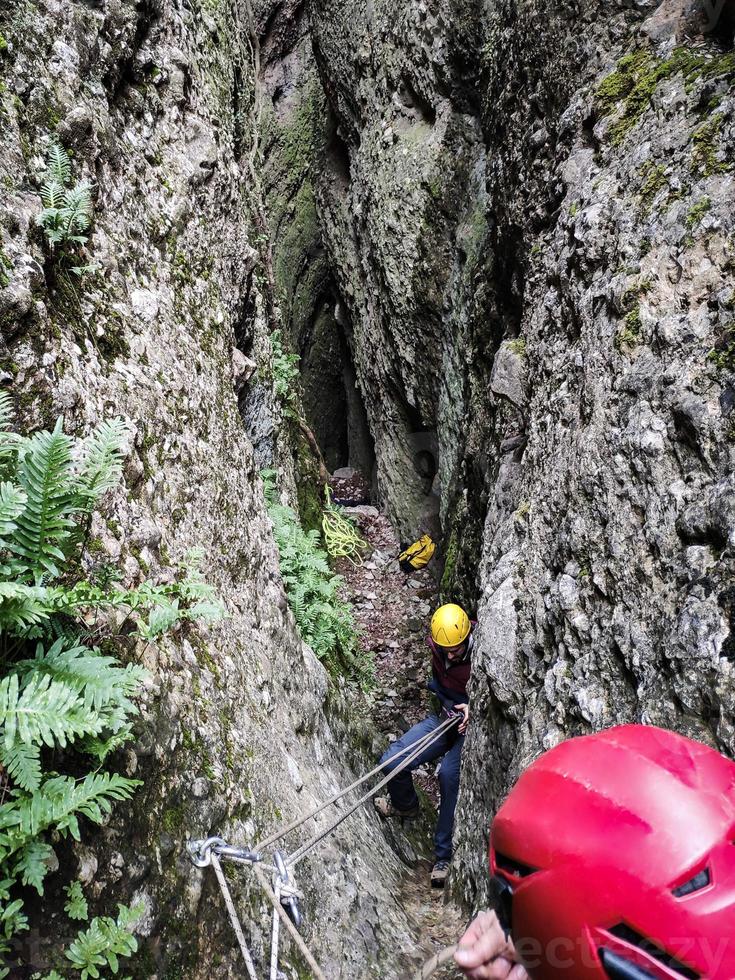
<point>340,535</point>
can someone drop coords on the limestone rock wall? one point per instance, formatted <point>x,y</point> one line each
<point>529,210</point>
<point>238,730</point>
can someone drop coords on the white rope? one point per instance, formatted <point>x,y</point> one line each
<point>419,747</point>
<point>274,931</point>
<point>233,916</point>
<point>293,931</point>
<point>414,749</point>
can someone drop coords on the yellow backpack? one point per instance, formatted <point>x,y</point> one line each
<point>417,555</point>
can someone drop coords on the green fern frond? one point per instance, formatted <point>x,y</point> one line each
<point>101,466</point>
<point>22,763</point>
<point>76,904</point>
<point>44,711</point>
<point>7,413</point>
<point>59,801</point>
<point>75,213</point>
<point>9,441</point>
<point>12,504</point>
<point>31,864</point>
<point>100,680</point>
<point>22,607</point>
<point>44,527</point>
<point>52,196</point>
<point>104,942</point>
<point>58,164</point>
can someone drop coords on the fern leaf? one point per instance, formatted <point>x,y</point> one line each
<point>31,864</point>
<point>9,441</point>
<point>75,213</point>
<point>44,527</point>
<point>43,711</point>
<point>21,606</point>
<point>58,802</point>
<point>12,505</point>
<point>161,618</point>
<point>76,904</point>
<point>101,467</point>
<point>23,764</point>
<point>99,680</point>
<point>6,411</point>
<point>103,942</point>
<point>52,196</point>
<point>58,164</point>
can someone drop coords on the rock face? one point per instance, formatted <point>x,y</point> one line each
<point>500,235</point>
<point>529,209</point>
<point>239,731</point>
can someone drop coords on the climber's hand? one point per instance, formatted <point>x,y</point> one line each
<point>485,954</point>
<point>465,710</point>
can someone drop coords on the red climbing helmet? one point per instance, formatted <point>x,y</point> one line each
<point>616,853</point>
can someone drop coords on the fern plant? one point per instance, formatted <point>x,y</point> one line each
<point>57,690</point>
<point>285,374</point>
<point>67,212</point>
<point>325,620</point>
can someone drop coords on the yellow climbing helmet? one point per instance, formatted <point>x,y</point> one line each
<point>450,625</point>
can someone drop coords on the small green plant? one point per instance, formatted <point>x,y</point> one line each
<point>723,354</point>
<point>285,374</point>
<point>76,904</point>
<point>62,702</point>
<point>325,621</point>
<point>103,942</point>
<point>697,212</point>
<point>630,334</point>
<point>67,210</point>
<point>518,346</point>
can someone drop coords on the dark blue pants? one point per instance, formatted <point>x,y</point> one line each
<point>401,788</point>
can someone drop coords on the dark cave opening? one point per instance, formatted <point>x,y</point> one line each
<point>333,403</point>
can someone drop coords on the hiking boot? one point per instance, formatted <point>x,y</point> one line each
<point>439,874</point>
<point>385,809</point>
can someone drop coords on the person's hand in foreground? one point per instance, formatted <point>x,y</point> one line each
<point>485,954</point>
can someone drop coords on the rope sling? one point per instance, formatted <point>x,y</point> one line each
<point>283,895</point>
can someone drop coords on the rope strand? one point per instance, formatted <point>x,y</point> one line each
<point>438,959</point>
<point>233,917</point>
<point>423,742</point>
<point>294,858</point>
<point>306,952</point>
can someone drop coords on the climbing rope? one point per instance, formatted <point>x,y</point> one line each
<point>230,905</point>
<point>284,896</point>
<point>411,750</point>
<point>340,535</point>
<point>293,931</point>
<point>297,855</point>
<point>439,959</point>
<point>275,929</point>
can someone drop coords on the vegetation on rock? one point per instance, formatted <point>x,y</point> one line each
<point>324,619</point>
<point>64,705</point>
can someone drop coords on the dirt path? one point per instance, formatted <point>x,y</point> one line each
<point>393,612</point>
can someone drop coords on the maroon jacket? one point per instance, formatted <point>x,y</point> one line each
<point>449,681</point>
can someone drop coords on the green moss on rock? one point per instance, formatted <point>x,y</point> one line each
<point>631,86</point>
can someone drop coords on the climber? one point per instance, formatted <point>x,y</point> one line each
<point>613,856</point>
<point>451,644</point>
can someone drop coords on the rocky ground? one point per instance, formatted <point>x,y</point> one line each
<point>392,610</point>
